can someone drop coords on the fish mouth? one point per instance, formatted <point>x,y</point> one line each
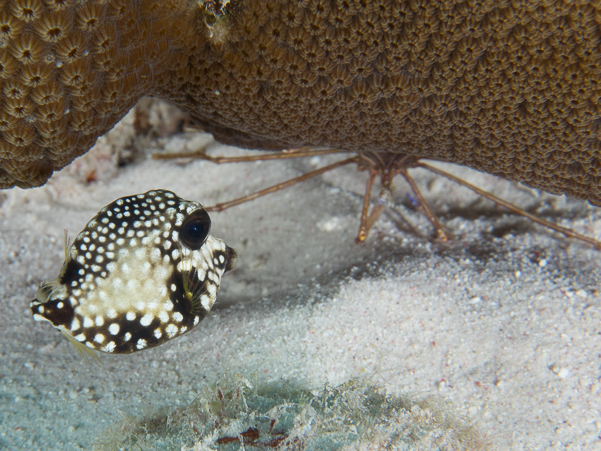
<point>230,255</point>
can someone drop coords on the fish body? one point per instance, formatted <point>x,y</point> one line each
<point>143,271</point>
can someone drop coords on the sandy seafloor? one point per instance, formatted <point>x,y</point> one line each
<point>503,324</point>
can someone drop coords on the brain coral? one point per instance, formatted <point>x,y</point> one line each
<point>512,88</point>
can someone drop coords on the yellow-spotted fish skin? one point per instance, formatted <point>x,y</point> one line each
<point>143,271</point>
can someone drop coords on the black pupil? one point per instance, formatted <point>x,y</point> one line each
<point>196,230</point>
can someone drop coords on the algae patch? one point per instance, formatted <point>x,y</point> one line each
<point>235,414</point>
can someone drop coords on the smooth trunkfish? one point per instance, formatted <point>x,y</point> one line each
<point>144,270</point>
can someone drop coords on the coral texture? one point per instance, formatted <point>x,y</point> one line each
<point>506,87</point>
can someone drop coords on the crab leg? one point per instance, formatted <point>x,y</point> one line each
<point>365,223</point>
<point>292,153</point>
<point>280,186</point>
<point>441,233</point>
<point>514,208</point>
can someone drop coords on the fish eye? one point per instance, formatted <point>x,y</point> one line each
<point>195,229</point>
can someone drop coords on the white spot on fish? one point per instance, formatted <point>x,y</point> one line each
<point>164,317</point>
<point>75,324</point>
<point>212,289</point>
<point>171,330</point>
<point>146,320</point>
<point>205,301</point>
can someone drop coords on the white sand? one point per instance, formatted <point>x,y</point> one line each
<point>504,323</point>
